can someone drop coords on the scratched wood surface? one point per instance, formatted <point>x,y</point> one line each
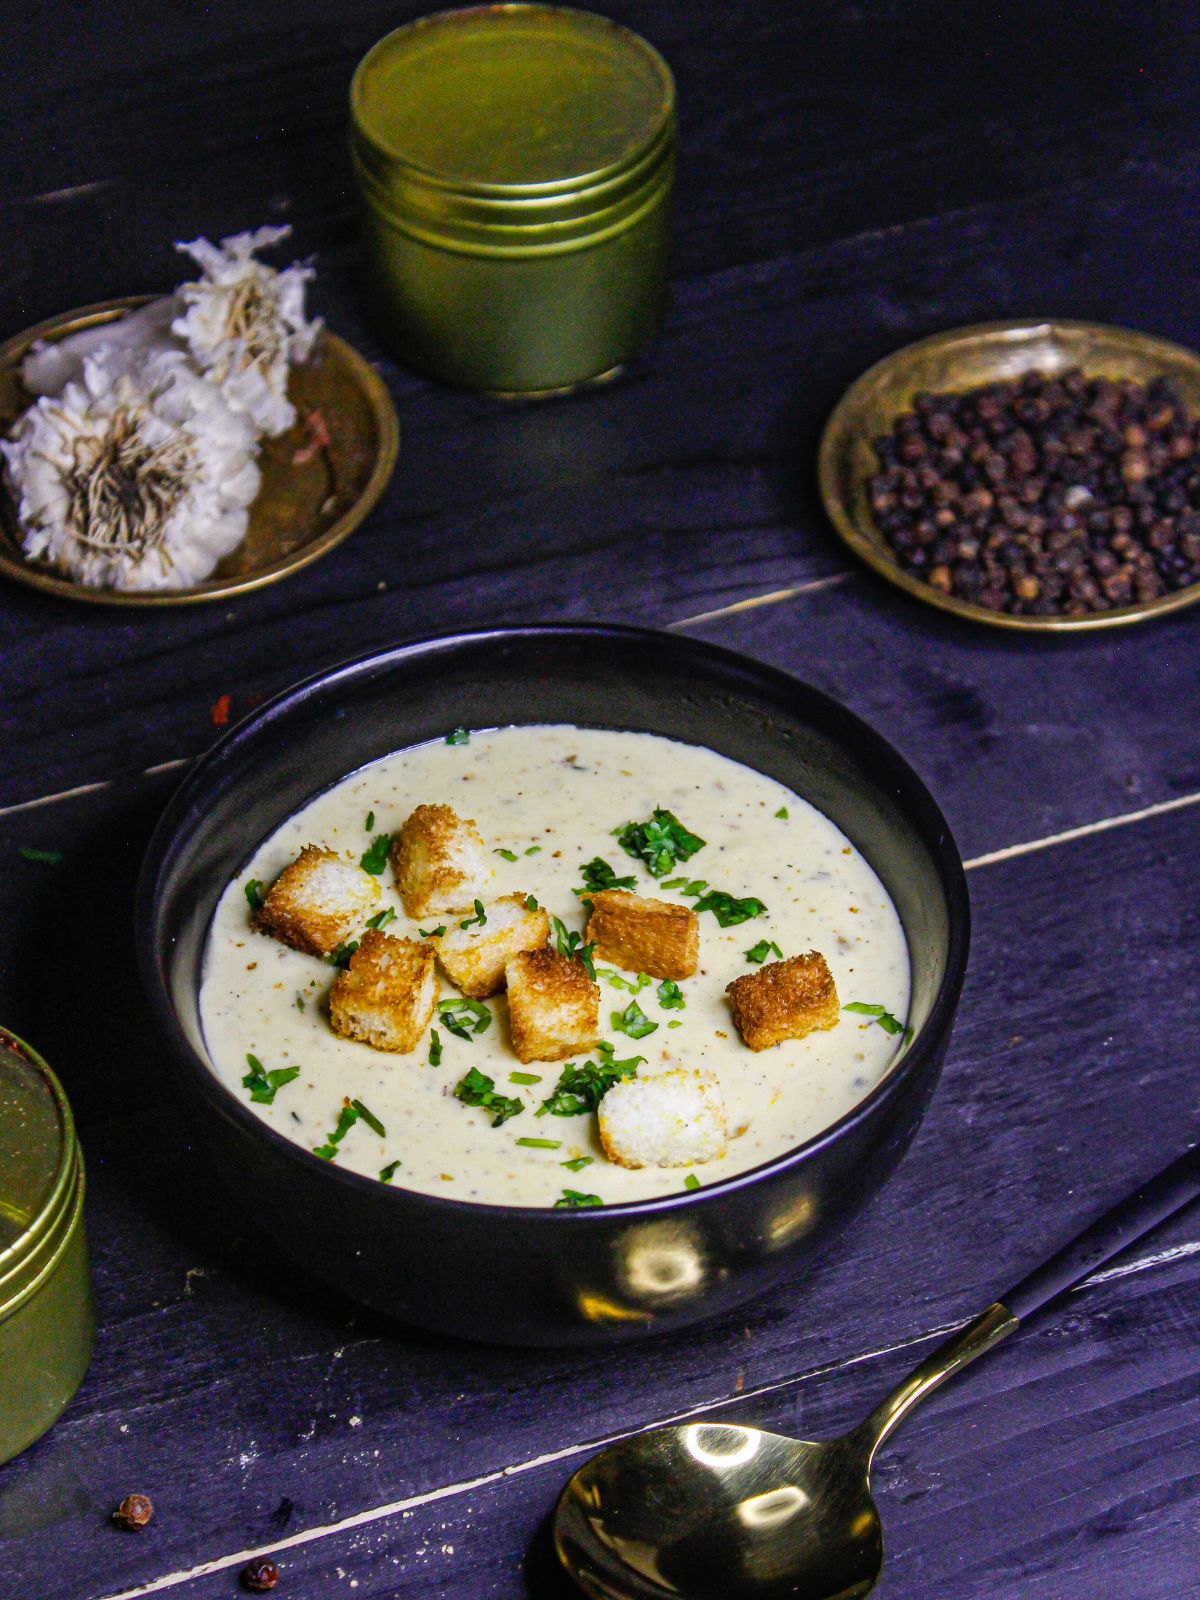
<point>855,175</point>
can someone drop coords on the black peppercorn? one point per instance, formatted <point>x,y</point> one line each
<point>134,1512</point>
<point>261,1576</point>
<point>1043,495</point>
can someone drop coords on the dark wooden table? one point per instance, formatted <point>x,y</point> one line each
<point>854,176</point>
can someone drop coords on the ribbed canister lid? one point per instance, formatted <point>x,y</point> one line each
<point>38,1168</point>
<point>544,109</point>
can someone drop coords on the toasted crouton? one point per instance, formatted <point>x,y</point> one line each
<point>439,861</point>
<point>317,902</point>
<point>674,1118</point>
<point>553,1006</point>
<point>654,936</point>
<point>784,1000</point>
<point>474,957</point>
<point>386,996</point>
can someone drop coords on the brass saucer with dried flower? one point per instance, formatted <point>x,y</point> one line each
<point>319,479</point>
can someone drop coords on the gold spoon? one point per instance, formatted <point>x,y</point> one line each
<point>717,1511</point>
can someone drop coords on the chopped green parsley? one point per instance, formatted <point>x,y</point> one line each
<point>577,1163</point>
<point>340,955</point>
<point>531,903</point>
<point>369,1117</point>
<point>254,894</point>
<point>581,1089</point>
<point>432,933</point>
<point>263,1084</point>
<point>347,1117</point>
<point>435,1048</point>
<point>524,1077</point>
<point>381,918</point>
<point>879,1014</point>
<point>617,980</point>
<point>374,857</point>
<point>633,1021</point>
<point>458,736</point>
<point>598,876</point>
<point>727,910</point>
<point>691,1181</point>
<point>782,812</point>
<point>670,995</point>
<point>761,950</point>
<point>478,920</point>
<point>534,850</point>
<point>572,1200</point>
<point>692,886</point>
<point>370,822</point>
<point>572,946</point>
<point>386,1174</point>
<point>464,1017</point>
<point>477,1089</point>
<point>661,843</point>
<point>509,855</point>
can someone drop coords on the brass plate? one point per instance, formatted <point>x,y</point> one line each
<point>965,358</point>
<point>303,509</point>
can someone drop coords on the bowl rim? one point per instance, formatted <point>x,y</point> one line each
<point>901,780</point>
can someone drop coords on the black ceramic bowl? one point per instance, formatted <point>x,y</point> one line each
<point>516,1274</point>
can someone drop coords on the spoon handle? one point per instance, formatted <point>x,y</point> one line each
<point>1128,1220</point>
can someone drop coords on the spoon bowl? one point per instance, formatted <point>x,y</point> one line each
<point>714,1511</point>
<point>710,1511</point>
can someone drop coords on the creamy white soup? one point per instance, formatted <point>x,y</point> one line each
<point>546,801</point>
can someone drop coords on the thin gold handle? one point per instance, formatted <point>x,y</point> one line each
<point>987,1330</point>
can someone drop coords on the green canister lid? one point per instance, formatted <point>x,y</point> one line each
<point>46,1315</point>
<point>511,100</point>
<point>516,163</point>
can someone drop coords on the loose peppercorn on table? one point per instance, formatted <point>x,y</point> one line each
<point>852,177</point>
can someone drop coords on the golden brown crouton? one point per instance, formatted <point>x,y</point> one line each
<point>654,936</point>
<point>386,996</point>
<point>474,957</point>
<point>317,902</point>
<point>553,1006</point>
<point>439,861</point>
<point>784,1000</point>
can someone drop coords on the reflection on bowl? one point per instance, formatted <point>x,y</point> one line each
<point>517,1274</point>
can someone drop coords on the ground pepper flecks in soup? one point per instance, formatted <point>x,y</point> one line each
<point>458,1115</point>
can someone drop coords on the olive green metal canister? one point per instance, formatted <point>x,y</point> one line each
<point>516,164</point>
<point>46,1315</point>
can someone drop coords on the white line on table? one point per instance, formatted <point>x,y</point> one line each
<point>50,799</point>
<point>1177,1252</point>
<point>53,197</point>
<point>361,1519</point>
<point>93,788</point>
<point>776,596</point>
<point>1084,831</point>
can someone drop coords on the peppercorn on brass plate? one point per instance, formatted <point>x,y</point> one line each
<point>313,495</point>
<point>967,358</point>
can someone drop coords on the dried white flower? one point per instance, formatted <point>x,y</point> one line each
<point>124,344</point>
<point>245,324</point>
<point>133,479</point>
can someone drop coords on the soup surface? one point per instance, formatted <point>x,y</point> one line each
<point>551,797</point>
